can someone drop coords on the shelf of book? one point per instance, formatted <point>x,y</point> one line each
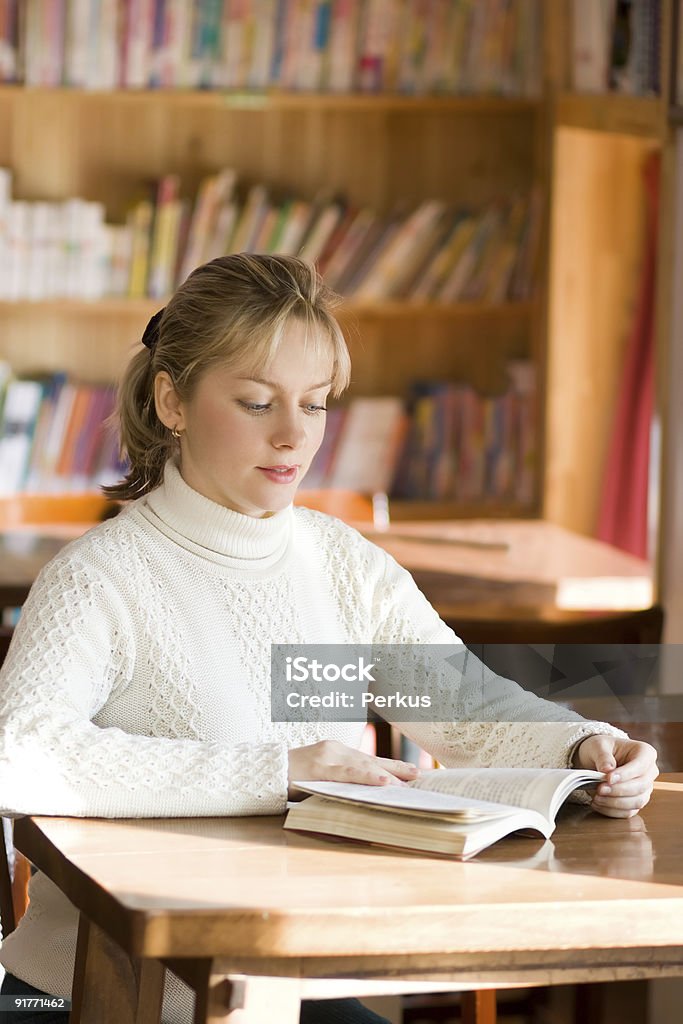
<point>388,153</point>
<point>282,101</point>
<point>611,112</point>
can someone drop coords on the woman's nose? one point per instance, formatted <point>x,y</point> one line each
<point>289,433</point>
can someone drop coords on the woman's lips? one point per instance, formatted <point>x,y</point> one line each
<point>280,475</point>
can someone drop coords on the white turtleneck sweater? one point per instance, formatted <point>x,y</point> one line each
<point>138,681</point>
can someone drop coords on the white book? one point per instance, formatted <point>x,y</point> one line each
<point>138,43</point>
<point>5,200</point>
<point>106,74</point>
<point>457,811</point>
<point>261,58</point>
<point>19,414</point>
<point>76,44</point>
<point>39,243</point>
<point>54,263</point>
<point>92,251</point>
<point>72,212</point>
<point>118,254</point>
<point>18,250</point>
<point>591,43</point>
<point>341,64</point>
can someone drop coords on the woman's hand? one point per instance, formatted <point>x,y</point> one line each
<point>331,761</point>
<point>630,767</point>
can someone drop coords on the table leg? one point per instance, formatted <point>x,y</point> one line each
<point>109,987</point>
<point>248,1001</point>
<point>479,1006</point>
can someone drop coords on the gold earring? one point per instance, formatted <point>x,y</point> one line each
<point>176,433</point>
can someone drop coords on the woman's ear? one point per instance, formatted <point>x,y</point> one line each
<point>169,408</point>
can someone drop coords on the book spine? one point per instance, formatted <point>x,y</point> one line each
<point>345,19</point>
<point>139,27</point>
<point>9,41</point>
<point>21,407</point>
<point>263,51</point>
<point>141,220</point>
<point>165,217</point>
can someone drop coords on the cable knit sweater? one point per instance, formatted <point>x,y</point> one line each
<point>138,681</point>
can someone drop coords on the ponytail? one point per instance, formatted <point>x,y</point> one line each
<point>144,438</point>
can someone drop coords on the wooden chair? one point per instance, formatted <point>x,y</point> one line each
<point>16,512</point>
<point>347,505</point>
<point>13,884</point>
<point>43,509</point>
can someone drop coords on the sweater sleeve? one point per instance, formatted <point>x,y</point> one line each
<point>493,721</point>
<point>72,650</point>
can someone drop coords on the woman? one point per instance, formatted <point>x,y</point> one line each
<point>137,683</point>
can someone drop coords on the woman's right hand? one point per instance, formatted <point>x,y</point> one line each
<point>331,761</point>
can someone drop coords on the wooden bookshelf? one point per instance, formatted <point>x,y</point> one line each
<point>215,99</point>
<point>376,150</point>
<point>584,151</point>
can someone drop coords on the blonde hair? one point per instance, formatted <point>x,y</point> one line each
<point>228,312</point>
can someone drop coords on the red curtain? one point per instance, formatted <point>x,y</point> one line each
<point>623,511</point>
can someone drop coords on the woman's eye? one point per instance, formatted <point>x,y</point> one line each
<point>316,408</point>
<point>255,407</point>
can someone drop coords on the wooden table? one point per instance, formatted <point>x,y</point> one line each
<point>254,916</point>
<point>465,567</point>
<point>529,565</point>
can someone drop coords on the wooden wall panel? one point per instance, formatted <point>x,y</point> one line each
<point>597,230</point>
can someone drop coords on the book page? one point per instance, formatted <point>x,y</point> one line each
<point>407,798</point>
<point>542,789</point>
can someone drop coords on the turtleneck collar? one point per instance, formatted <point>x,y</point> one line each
<point>217,533</point>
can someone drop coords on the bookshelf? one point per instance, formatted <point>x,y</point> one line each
<point>377,150</point>
<point>584,151</point>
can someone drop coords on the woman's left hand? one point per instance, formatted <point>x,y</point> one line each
<point>630,767</point>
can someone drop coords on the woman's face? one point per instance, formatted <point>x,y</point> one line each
<point>248,438</point>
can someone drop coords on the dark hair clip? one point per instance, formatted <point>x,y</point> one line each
<point>151,335</point>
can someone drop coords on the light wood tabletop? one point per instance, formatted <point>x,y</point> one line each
<point>499,566</point>
<point>242,899</point>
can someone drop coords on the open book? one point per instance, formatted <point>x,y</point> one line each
<point>458,811</point>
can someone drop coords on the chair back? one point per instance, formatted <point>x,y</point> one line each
<point>42,509</point>
<point>351,506</point>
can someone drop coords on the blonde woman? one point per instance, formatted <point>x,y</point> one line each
<point>138,681</point>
